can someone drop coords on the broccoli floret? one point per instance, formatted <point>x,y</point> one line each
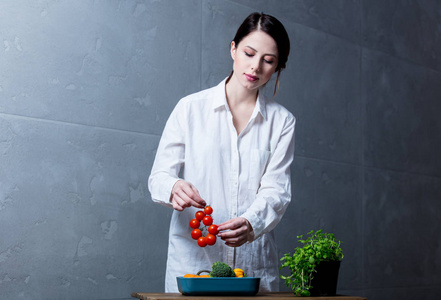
<point>220,269</point>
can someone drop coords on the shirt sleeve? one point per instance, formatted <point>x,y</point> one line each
<point>169,157</point>
<point>274,193</point>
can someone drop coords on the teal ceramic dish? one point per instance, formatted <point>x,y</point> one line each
<point>225,286</point>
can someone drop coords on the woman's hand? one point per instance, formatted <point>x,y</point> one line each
<point>236,232</point>
<point>184,195</point>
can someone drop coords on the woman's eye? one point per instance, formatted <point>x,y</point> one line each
<point>269,61</point>
<point>248,54</point>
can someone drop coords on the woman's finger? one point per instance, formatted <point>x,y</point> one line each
<point>178,203</point>
<point>200,203</point>
<point>235,232</point>
<point>185,199</point>
<point>189,194</point>
<point>235,242</point>
<point>228,225</point>
<point>193,195</point>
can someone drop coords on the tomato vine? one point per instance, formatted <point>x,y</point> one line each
<point>206,235</point>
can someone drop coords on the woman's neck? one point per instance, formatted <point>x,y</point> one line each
<point>241,102</point>
<point>239,95</point>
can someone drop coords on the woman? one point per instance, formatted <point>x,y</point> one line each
<point>234,148</point>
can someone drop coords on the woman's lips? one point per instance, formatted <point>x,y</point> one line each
<point>251,77</point>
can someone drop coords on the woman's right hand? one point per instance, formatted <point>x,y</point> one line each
<point>184,195</point>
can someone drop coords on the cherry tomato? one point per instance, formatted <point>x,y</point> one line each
<point>207,220</point>
<point>208,210</point>
<point>211,239</point>
<point>196,233</point>
<point>200,215</point>
<point>195,223</point>
<point>213,229</point>
<point>202,241</point>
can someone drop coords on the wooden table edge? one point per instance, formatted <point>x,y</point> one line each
<point>171,296</point>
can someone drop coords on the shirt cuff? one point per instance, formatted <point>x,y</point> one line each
<point>256,223</point>
<point>170,187</point>
<point>164,194</point>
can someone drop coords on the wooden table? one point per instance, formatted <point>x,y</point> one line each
<point>263,296</point>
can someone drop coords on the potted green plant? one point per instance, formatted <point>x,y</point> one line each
<point>314,266</point>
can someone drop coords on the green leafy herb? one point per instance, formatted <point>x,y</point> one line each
<point>317,247</point>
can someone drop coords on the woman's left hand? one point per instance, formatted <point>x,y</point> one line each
<point>235,232</point>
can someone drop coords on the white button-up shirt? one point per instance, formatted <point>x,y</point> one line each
<point>245,175</point>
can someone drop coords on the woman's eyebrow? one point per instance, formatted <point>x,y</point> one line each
<point>270,54</point>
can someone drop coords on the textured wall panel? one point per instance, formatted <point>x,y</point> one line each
<point>402,215</point>
<point>321,86</point>
<point>337,17</point>
<point>74,211</point>
<point>99,63</point>
<point>402,105</point>
<point>407,29</point>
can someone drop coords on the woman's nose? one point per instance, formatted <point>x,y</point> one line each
<point>255,65</point>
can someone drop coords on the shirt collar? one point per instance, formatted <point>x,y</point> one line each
<point>261,105</point>
<point>220,100</point>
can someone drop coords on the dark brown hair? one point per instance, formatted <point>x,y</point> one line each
<point>274,28</point>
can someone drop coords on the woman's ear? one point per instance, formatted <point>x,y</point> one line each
<point>233,50</point>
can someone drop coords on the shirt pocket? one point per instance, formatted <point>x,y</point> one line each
<point>258,162</point>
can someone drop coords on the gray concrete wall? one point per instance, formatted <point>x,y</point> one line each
<point>86,88</point>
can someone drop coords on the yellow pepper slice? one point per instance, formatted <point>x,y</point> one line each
<point>239,272</point>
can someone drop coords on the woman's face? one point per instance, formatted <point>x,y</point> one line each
<point>255,59</point>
